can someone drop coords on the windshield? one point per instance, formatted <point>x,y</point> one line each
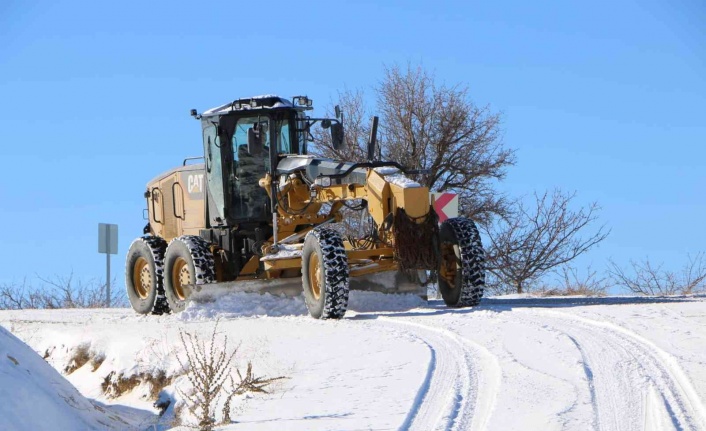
<point>259,124</point>
<point>301,133</point>
<point>252,138</point>
<point>249,200</point>
<point>284,145</point>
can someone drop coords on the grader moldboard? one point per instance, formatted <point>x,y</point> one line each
<point>260,214</point>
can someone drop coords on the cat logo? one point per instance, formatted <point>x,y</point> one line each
<point>195,183</point>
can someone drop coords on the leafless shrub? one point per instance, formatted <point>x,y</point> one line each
<point>58,292</point>
<point>248,383</point>
<point>647,278</point>
<point>571,282</point>
<point>65,292</point>
<point>529,242</point>
<point>17,297</point>
<point>179,413</point>
<point>208,367</point>
<point>495,286</point>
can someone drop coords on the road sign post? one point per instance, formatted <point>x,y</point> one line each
<point>108,244</point>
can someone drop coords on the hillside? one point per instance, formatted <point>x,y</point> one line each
<point>397,362</point>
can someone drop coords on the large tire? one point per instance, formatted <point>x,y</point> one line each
<point>462,263</point>
<point>187,262</point>
<point>144,267</point>
<point>325,274</point>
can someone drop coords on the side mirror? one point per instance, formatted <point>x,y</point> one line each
<point>337,136</point>
<point>254,142</point>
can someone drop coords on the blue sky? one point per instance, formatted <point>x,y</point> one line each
<point>604,98</point>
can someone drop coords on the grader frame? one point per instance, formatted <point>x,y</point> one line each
<point>260,208</point>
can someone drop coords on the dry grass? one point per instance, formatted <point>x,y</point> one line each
<point>79,357</point>
<point>97,361</point>
<point>115,386</point>
<point>572,291</point>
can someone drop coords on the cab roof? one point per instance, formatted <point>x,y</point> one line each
<point>267,101</point>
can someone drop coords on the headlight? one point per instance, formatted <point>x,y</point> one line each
<point>322,181</point>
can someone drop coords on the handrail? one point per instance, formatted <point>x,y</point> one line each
<point>154,207</point>
<point>376,165</point>
<point>174,205</point>
<point>191,158</point>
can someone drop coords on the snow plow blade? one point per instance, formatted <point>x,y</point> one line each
<point>392,282</point>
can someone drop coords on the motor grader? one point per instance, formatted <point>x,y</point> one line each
<point>260,213</point>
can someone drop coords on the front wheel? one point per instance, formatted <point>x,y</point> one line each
<point>143,275</point>
<point>325,274</point>
<point>462,264</point>
<point>187,262</point>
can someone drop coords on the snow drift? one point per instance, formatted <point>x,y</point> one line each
<point>36,397</point>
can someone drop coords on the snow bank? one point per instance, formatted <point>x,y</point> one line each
<point>242,304</point>
<point>511,363</point>
<point>36,397</point>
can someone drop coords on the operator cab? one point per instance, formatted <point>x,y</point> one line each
<point>243,141</point>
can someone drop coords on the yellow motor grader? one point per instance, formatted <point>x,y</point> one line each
<point>260,213</point>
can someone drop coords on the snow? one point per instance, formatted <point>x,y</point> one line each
<point>36,397</point>
<point>394,176</point>
<point>286,251</point>
<point>228,107</point>
<point>394,362</point>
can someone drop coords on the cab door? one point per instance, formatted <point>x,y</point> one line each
<point>213,159</point>
<point>251,162</point>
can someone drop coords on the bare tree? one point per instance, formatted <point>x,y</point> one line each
<point>424,125</point>
<point>429,126</point>
<point>357,129</point>
<point>529,242</point>
<point>648,279</point>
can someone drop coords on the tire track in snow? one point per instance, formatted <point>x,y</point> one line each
<point>461,384</point>
<point>589,375</point>
<point>632,381</point>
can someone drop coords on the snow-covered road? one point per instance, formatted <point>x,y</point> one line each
<point>396,363</point>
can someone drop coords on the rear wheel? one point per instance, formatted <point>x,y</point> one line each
<point>143,275</point>
<point>187,262</point>
<point>462,264</point>
<point>325,274</point>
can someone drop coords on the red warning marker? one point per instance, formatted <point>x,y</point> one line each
<point>445,205</point>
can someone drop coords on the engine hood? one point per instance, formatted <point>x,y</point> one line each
<point>314,166</point>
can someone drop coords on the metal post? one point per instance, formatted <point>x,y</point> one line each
<point>373,139</point>
<point>106,234</point>
<point>107,274</point>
